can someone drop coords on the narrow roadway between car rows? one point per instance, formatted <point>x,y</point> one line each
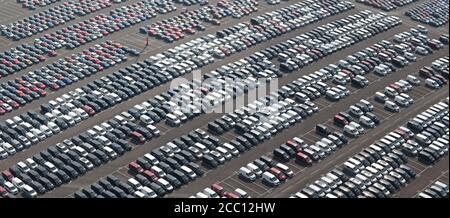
<point>231,166</point>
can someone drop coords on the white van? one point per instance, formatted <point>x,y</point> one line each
<point>151,159</point>
<point>380,97</point>
<point>399,100</point>
<point>431,83</point>
<point>209,192</point>
<point>134,184</point>
<point>351,131</point>
<point>29,192</point>
<point>172,120</point>
<point>202,148</point>
<point>80,151</point>
<point>23,167</point>
<point>378,149</point>
<point>158,171</point>
<point>366,122</point>
<point>255,169</point>
<point>148,192</point>
<point>188,172</point>
<point>270,179</point>
<point>285,169</point>
<point>241,193</point>
<point>350,168</point>
<point>50,167</point>
<point>247,174</point>
<point>166,185</point>
<point>391,106</point>
<point>110,152</point>
<point>231,149</point>
<point>10,188</point>
<point>201,195</point>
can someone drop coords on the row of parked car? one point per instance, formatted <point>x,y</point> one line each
<point>386,5</point>
<point>384,58</point>
<point>437,189</point>
<point>434,13</point>
<point>395,95</point>
<point>70,159</point>
<point>271,172</point>
<point>166,168</point>
<point>190,22</point>
<point>33,4</point>
<point>380,176</point>
<point>51,18</point>
<point>431,140</point>
<point>436,75</point>
<point>62,73</point>
<point>335,36</point>
<point>128,82</point>
<point>376,171</point>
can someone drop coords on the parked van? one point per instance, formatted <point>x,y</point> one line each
<point>350,169</point>
<point>380,97</point>
<point>399,100</point>
<point>270,179</point>
<point>422,139</point>
<point>285,169</point>
<point>29,192</point>
<point>172,120</point>
<point>246,174</point>
<point>351,131</point>
<point>255,169</point>
<point>210,193</point>
<point>391,106</point>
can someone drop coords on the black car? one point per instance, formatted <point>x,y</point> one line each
<point>173,181</point>
<point>280,155</point>
<point>322,130</point>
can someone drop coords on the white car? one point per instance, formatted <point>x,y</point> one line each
<point>432,83</point>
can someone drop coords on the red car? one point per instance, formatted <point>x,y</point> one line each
<point>3,192</point>
<point>7,175</point>
<point>231,195</point>
<point>280,175</point>
<point>52,54</point>
<point>138,137</point>
<point>402,133</point>
<point>340,120</point>
<point>150,175</point>
<point>54,87</point>
<point>303,159</point>
<point>135,167</point>
<point>218,189</point>
<point>293,145</point>
<point>88,110</point>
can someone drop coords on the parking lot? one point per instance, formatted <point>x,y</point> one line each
<point>138,48</point>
